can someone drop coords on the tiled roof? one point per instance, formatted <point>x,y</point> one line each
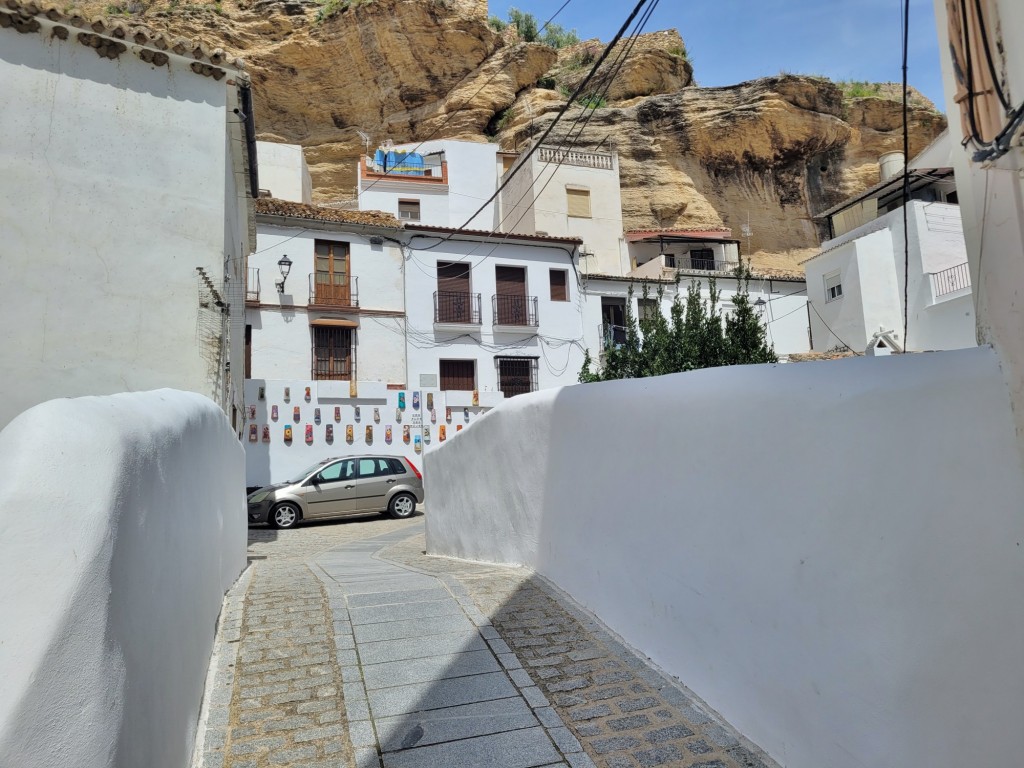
<point>111,37</point>
<point>808,357</point>
<point>494,235</point>
<point>634,235</point>
<point>271,206</point>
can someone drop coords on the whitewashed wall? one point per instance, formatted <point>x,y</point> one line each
<point>872,614</point>
<point>103,304</point>
<point>472,179</point>
<point>992,205</point>
<point>281,336</point>
<point>124,525</point>
<point>601,232</point>
<point>556,343</point>
<point>785,312</point>
<point>284,172</point>
<point>871,261</point>
<point>275,460</point>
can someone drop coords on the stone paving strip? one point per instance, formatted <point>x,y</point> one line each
<point>276,697</point>
<point>344,645</point>
<point>427,679</point>
<point>623,711</point>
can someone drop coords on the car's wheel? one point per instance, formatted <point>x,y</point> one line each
<point>286,515</point>
<point>402,505</point>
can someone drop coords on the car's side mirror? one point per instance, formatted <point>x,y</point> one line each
<point>314,480</point>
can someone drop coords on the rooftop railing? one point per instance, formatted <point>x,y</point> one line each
<point>575,157</point>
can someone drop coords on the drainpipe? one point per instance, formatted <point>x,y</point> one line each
<point>250,138</point>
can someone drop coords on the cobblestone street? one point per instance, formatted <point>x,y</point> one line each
<point>343,645</point>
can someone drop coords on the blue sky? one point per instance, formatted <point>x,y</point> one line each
<point>735,40</point>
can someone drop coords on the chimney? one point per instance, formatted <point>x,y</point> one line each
<point>891,164</point>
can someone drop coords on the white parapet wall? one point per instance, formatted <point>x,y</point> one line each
<point>123,524</point>
<point>830,554</point>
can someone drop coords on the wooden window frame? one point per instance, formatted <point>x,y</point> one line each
<point>564,287</point>
<point>532,369</point>
<point>463,360</point>
<point>332,367</point>
<point>329,292</point>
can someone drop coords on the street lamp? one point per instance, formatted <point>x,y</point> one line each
<point>285,265</point>
<point>760,304</point>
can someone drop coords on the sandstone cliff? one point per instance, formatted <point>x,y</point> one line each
<point>772,151</point>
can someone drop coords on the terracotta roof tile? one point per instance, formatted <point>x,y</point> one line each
<point>271,206</point>
<point>24,15</point>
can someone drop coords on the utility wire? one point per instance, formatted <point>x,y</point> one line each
<point>834,334</point>
<point>579,90</point>
<point>462,106</point>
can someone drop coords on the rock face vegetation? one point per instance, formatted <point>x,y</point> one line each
<point>770,152</point>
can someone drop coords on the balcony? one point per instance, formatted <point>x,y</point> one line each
<point>698,263</point>
<point>514,312</point>
<point>598,160</point>
<point>612,335</point>
<point>333,290</point>
<point>434,175</point>
<point>950,280</point>
<point>457,308</point>
<point>252,286</point>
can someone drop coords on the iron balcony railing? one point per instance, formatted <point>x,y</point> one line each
<point>951,280</point>
<point>252,285</point>
<point>457,307</point>
<point>612,335</point>
<point>334,369</point>
<point>515,310</point>
<point>698,263</point>
<point>333,290</point>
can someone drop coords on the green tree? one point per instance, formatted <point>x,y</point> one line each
<point>525,24</point>
<point>694,335</point>
<point>529,31</point>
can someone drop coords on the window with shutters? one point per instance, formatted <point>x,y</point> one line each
<point>458,375</point>
<point>559,285</point>
<point>579,202</point>
<point>409,210</point>
<point>453,302</point>
<point>833,287</point>
<point>516,375</point>
<point>333,358</point>
<point>331,282</point>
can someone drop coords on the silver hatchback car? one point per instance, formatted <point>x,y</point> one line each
<point>349,485</point>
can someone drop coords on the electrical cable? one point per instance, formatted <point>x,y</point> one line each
<point>579,90</point>
<point>834,334</point>
<point>462,106</point>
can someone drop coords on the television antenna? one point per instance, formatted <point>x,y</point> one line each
<point>747,232</point>
<point>366,139</point>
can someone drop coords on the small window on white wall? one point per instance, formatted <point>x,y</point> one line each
<point>409,210</point>
<point>833,287</point>
<point>579,202</point>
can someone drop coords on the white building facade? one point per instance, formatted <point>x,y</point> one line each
<point>856,282</point>
<point>125,215</point>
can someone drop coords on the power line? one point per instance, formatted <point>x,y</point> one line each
<point>462,106</point>
<point>834,334</point>
<point>511,174</point>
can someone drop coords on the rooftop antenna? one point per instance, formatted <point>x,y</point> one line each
<point>747,232</point>
<point>366,139</point>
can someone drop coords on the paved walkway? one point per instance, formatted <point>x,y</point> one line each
<point>357,650</point>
